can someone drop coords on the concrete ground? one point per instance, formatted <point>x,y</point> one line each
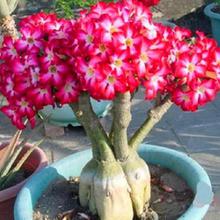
<point>197,134</point>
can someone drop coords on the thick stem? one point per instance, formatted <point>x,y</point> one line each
<point>12,4</point>
<point>77,112</point>
<point>93,128</point>
<point>122,118</point>
<point>7,25</point>
<point>154,116</point>
<point>4,9</point>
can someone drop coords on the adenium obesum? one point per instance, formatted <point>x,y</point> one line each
<point>111,48</point>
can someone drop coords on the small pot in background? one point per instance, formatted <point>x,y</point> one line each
<point>215,21</point>
<point>34,163</point>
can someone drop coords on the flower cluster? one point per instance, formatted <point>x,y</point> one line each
<point>37,70</point>
<point>111,48</point>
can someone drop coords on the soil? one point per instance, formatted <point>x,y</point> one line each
<point>19,176</point>
<point>171,197</point>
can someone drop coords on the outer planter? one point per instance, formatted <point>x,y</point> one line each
<point>72,165</point>
<point>64,116</point>
<point>215,21</point>
<point>34,163</point>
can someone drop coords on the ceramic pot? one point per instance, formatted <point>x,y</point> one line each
<point>34,163</point>
<point>72,165</point>
<point>215,21</point>
<point>64,116</point>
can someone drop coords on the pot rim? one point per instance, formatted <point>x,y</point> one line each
<point>208,11</point>
<point>12,191</point>
<point>168,158</point>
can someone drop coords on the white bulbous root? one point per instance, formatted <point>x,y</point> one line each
<point>112,192</point>
<point>138,177</point>
<point>115,190</point>
<point>86,185</point>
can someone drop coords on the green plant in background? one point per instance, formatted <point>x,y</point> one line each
<point>65,8</point>
<point>217,1</point>
<point>11,161</point>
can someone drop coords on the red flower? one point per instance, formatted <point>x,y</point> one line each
<point>184,99</point>
<point>16,119</point>
<point>41,97</point>
<point>149,3</point>
<point>111,48</point>
<point>69,92</point>
<point>190,66</point>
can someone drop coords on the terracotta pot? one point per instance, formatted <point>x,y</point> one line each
<point>34,163</point>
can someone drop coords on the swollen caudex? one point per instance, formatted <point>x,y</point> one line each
<point>86,185</point>
<point>112,192</point>
<point>138,177</point>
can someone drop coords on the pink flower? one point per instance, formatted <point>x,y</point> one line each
<point>53,74</point>
<point>119,62</point>
<point>203,91</point>
<point>15,117</point>
<point>156,81</point>
<point>184,99</point>
<point>110,25</point>
<point>41,97</point>
<point>31,39</point>
<point>149,52</point>
<point>69,92</point>
<point>190,66</point>
<point>111,48</point>
<point>149,2</point>
<point>127,39</point>
<point>24,108</point>
<point>8,49</point>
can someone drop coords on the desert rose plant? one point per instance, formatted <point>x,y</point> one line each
<point>110,51</point>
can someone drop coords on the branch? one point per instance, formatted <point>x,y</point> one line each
<point>94,130</point>
<point>121,121</point>
<point>154,116</point>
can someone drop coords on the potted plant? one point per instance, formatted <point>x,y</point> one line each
<point>213,12</point>
<point>110,51</point>
<point>18,160</point>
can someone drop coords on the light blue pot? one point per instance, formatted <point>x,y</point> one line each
<point>215,21</point>
<point>64,116</point>
<point>72,165</point>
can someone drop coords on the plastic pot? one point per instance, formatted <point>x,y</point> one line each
<point>72,165</point>
<point>215,21</point>
<point>64,116</point>
<point>34,163</point>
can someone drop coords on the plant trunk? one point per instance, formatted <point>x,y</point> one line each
<point>116,178</point>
